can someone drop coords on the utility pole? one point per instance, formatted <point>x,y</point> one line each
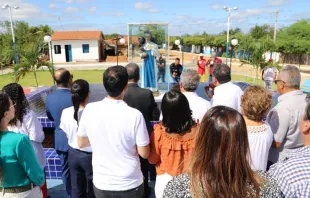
<point>275,27</point>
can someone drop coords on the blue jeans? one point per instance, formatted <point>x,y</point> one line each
<point>65,171</point>
<point>268,84</point>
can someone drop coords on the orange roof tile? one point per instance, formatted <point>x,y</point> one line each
<point>77,35</point>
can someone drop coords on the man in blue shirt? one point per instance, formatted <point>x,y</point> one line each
<point>56,102</point>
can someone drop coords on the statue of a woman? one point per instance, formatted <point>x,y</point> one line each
<point>150,52</point>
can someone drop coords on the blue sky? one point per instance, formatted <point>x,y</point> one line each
<point>183,16</point>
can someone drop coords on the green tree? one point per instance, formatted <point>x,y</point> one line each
<point>24,34</point>
<point>264,31</point>
<point>111,36</point>
<point>158,33</point>
<point>31,61</point>
<point>256,50</point>
<point>295,39</point>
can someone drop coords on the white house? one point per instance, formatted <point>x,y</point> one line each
<point>77,46</point>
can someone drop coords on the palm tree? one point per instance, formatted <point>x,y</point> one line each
<point>31,61</point>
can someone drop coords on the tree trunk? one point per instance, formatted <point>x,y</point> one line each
<point>256,76</point>
<point>35,76</point>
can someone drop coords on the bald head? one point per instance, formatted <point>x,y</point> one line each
<point>63,78</point>
<point>133,71</point>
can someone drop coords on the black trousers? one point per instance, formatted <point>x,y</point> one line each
<point>64,158</point>
<point>145,171</point>
<point>132,193</point>
<point>81,171</point>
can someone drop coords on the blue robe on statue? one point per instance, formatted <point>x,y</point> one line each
<point>149,76</point>
<point>149,71</point>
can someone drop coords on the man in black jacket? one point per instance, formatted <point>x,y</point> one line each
<point>176,70</point>
<point>142,100</point>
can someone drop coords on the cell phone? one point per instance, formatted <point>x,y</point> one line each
<point>207,88</point>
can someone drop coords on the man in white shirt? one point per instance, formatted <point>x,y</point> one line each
<point>190,80</point>
<point>118,135</point>
<point>225,92</point>
<point>269,74</point>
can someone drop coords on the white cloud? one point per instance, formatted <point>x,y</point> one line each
<point>92,9</point>
<point>278,2</point>
<point>217,6</point>
<point>71,9</point>
<point>182,16</point>
<point>154,10</point>
<point>72,1</point>
<point>252,12</point>
<point>118,14</point>
<point>25,11</point>
<point>53,6</point>
<point>145,5</point>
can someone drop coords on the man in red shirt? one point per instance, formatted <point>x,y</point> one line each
<point>211,62</point>
<point>201,67</point>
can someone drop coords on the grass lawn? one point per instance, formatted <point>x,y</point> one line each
<point>92,76</point>
<point>45,78</point>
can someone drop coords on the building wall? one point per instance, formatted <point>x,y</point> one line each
<point>77,51</point>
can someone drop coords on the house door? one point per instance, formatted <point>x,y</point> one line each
<point>68,53</point>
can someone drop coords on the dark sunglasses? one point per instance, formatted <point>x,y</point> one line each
<point>276,81</point>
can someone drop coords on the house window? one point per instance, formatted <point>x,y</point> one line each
<point>57,49</point>
<point>85,48</point>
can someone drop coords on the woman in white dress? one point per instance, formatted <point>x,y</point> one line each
<point>255,103</point>
<point>27,123</point>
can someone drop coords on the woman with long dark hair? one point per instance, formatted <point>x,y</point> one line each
<point>27,123</point>
<point>219,166</point>
<point>172,141</point>
<point>20,172</point>
<point>80,159</point>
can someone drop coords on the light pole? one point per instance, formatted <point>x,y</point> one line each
<point>122,41</point>
<point>6,6</point>
<point>178,43</point>
<point>228,21</point>
<point>48,39</point>
<point>234,42</point>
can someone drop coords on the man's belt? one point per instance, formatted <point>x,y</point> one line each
<point>17,189</point>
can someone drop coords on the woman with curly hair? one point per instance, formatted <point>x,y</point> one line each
<point>20,173</point>
<point>172,141</point>
<point>26,122</point>
<point>255,103</point>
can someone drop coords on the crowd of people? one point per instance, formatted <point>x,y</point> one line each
<point>234,145</point>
